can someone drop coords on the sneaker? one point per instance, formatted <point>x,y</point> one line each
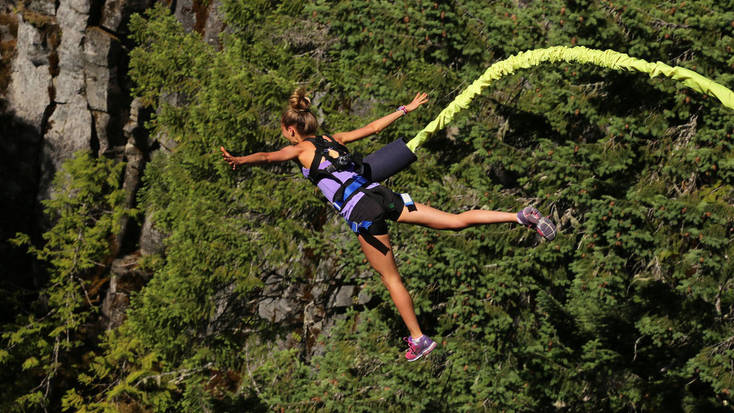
<point>529,216</point>
<point>532,218</point>
<point>418,347</point>
<point>546,228</point>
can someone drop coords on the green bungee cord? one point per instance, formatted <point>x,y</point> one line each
<point>396,156</point>
<point>607,58</point>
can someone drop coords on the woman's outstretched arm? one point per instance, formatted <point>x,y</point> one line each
<point>377,125</point>
<point>285,154</point>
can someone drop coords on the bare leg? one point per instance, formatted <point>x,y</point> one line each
<point>437,219</point>
<point>388,270</point>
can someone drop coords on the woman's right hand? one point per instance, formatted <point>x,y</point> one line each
<point>231,160</point>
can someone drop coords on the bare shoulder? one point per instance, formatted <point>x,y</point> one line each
<point>306,152</point>
<point>304,146</point>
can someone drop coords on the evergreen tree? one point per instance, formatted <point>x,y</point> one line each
<point>49,338</point>
<point>629,308</point>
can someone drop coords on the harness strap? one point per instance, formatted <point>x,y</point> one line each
<point>361,229</point>
<point>314,173</point>
<point>323,148</point>
<point>348,190</point>
<point>408,201</point>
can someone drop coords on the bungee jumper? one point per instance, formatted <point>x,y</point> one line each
<point>352,186</point>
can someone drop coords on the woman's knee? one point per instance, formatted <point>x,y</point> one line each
<point>455,222</point>
<point>390,278</point>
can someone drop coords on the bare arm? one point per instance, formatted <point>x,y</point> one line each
<point>377,125</point>
<point>285,154</point>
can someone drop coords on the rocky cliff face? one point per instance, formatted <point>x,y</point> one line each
<point>63,89</point>
<point>67,79</point>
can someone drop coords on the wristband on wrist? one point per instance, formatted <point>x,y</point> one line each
<point>402,107</point>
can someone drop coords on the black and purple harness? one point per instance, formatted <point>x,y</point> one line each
<point>353,175</point>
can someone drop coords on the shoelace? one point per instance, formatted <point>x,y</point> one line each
<point>552,230</point>
<point>413,346</point>
<point>536,216</point>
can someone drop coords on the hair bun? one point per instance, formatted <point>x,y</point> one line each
<point>299,101</point>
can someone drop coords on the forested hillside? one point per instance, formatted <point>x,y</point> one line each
<point>629,309</point>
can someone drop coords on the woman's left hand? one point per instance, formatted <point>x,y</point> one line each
<point>233,161</point>
<point>419,99</point>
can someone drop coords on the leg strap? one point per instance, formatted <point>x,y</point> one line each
<point>361,229</point>
<point>408,201</point>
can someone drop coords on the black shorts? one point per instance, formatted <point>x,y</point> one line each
<point>377,205</point>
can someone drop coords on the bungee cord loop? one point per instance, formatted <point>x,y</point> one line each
<point>606,58</point>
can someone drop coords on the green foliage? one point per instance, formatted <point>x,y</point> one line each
<point>629,309</point>
<point>626,309</point>
<point>47,339</point>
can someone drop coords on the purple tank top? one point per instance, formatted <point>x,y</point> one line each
<point>329,187</point>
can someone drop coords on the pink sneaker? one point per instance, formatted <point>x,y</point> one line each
<point>532,218</point>
<point>418,347</point>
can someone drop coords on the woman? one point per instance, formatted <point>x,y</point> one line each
<point>368,205</point>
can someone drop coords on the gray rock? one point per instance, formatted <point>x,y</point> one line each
<point>115,304</point>
<point>363,297</point>
<point>131,182</point>
<point>134,130</point>
<point>70,51</point>
<point>214,25</point>
<point>186,14</point>
<point>70,81</point>
<point>70,130</point>
<point>167,142</point>
<point>113,13</point>
<point>174,99</point>
<point>102,90</point>
<point>47,7</point>
<point>68,85</point>
<point>223,313</point>
<point>133,171</point>
<point>109,135</point>
<point>126,278</point>
<point>5,33</point>
<point>28,92</point>
<point>313,325</point>
<point>101,48</point>
<point>136,158</point>
<point>70,17</point>
<point>134,120</point>
<point>280,299</point>
<point>151,239</point>
<point>136,106</point>
<point>116,13</point>
<point>317,291</point>
<point>342,297</point>
<point>80,6</point>
<point>313,315</point>
<point>272,285</point>
<point>276,310</point>
<point>31,43</point>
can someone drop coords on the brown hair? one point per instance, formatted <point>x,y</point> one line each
<point>299,115</point>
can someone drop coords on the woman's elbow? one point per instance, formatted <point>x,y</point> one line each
<point>263,157</point>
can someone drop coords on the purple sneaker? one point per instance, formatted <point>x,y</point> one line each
<point>532,218</point>
<point>418,347</point>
